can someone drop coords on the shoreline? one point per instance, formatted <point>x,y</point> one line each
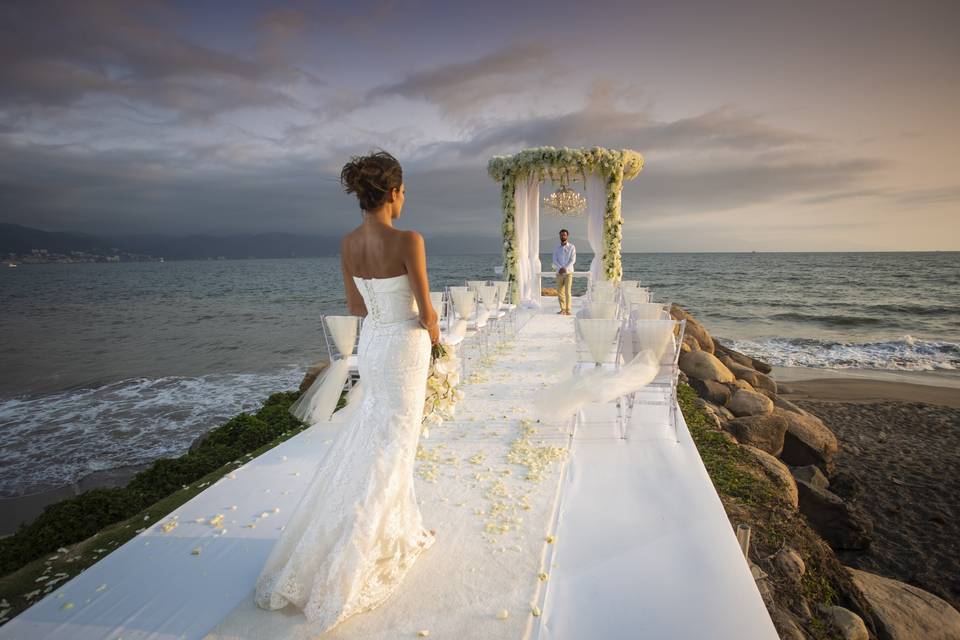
<point>866,391</point>
<point>899,434</point>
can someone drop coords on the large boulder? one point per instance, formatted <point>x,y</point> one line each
<point>786,405</point>
<point>693,328</point>
<point>749,403</point>
<point>905,612</point>
<point>843,525</point>
<point>791,564</point>
<point>764,432</point>
<point>808,441</point>
<point>703,365</point>
<point>779,471</point>
<point>711,390</point>
<point>786,624</point>
<point>690,343</point>
<point>743,359</point>
<point>812,474</point>
<point>849,625</point>
<point>754,377</point>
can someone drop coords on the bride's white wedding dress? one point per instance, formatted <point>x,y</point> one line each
<point>358,529</point>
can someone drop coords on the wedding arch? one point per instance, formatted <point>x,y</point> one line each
<point>602,172</point>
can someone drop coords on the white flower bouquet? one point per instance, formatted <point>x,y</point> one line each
<point>443,393</point>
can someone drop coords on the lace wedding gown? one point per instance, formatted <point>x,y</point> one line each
<point>358,529</point>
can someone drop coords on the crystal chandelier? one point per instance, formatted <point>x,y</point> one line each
<point>565,201</point>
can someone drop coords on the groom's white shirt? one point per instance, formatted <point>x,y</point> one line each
<point>564,256</point>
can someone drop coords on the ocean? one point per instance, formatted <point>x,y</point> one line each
<point>108,365</point>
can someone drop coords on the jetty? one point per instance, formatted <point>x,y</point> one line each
<point>559,529</point>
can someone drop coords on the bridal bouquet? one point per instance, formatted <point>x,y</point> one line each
<point>442,391</point>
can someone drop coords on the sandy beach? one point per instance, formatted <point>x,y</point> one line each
<point>899,459</point>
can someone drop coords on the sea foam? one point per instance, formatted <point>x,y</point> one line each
<point>55,440</point>
<point>904,354</point>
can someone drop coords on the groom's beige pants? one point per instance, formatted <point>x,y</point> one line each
<point>564,290</point>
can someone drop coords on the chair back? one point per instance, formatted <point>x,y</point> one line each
<point>489,297</point>
<point>602,291</point>
<point>663,337</point>
<point>340,333</point>
<point>647,311</point>
<point>439,302</point>
<point>634,295</point>
<point>474,285</point>
<point>606,310</point>
<point>503,287</point>
<point>629,284</point>
<point>464,302</point>
<point>596,340</point>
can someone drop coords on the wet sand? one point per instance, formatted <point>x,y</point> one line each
<point>899,460</point>
<point>870,391</point>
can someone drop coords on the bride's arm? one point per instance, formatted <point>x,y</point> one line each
<point>416,263</point>
<point>355,304</point>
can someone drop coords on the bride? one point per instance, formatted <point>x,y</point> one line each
<point>358,529</point>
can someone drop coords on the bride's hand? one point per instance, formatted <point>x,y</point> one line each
<point>433,330</point>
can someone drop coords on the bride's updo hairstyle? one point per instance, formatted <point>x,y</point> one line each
<point>371,178</point>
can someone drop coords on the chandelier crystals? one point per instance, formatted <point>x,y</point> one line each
<point>565,201</point>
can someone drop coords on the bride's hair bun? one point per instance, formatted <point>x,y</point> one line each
<point>371,178</point>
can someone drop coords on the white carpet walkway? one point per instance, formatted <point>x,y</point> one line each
<point>642,547</point>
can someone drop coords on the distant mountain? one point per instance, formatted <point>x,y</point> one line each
<point>260,245</point>
<point>15,238</point>
<point>18,239</point>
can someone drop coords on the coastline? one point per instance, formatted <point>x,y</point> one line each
<point>899,447</point>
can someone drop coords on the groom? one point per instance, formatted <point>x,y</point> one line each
<point>564,255</point>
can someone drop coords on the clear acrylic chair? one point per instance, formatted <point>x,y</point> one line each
<point>466,309</point>
<point>633,295</point>
<point>490,302</point>
<point>592,309</point>
<point>648,311</point>
<point>602,291</point>
<point>596,341</point>
<point>337,334</point>
<point>664,337</point>
<point>506,288</point>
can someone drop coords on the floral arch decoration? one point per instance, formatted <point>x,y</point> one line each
<point>534,165</point>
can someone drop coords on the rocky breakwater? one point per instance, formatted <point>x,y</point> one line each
<point>797,450</point>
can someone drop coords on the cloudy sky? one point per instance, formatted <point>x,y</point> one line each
<point>765,125</point>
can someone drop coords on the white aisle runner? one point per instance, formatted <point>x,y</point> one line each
<point>644,548</point>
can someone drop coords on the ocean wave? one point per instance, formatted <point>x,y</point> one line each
<point>831,320</point>
<point>905,354</point>
<point>55,440</point>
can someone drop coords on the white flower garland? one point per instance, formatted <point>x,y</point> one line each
<point>614,165</point>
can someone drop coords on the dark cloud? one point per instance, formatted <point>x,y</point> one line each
<point>465,86</point>
<point>56,54</point>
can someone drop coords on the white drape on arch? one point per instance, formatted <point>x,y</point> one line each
<point>595,190</point>
<point>526,220</point>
